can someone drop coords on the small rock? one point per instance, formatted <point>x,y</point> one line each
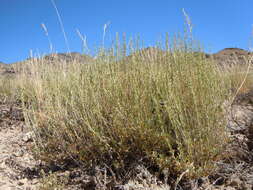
<point>19,153</point>
<point>28,137</point>
<point>235,182</point>
<point>20,183</point>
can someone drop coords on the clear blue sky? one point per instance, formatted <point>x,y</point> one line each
<point>217,23</point>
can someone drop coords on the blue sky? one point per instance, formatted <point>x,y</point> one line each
<point>216,23</point>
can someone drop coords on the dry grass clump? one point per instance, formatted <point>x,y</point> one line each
<point>8,89</point>
<point>240,77</point>
<point>165,113</point>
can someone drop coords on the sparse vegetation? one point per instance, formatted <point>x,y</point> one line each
<point>52,181</point>
<point>159,108</point>
<point>240,77</point>
<point>165,112</point>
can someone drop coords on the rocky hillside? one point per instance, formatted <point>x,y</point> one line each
<point>227,56</point>
<point>54,58</point>
<point>230,56</point>
<point>68,57</point>
<point>6,69</point>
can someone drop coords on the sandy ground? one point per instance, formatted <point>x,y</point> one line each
<point>15,159</point>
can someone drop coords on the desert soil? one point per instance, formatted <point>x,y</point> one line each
<point>15,158</point>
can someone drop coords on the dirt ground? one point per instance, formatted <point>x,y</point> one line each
<point>15,158</point>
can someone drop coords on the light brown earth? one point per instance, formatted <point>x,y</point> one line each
<point>15,157</point>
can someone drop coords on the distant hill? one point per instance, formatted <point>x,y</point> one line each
<point>53,59</point>
<point>227,56</point>
<point>6,69</point>
<point>68,57</point>
<point>230,56</point>
<point>2,67</point>
<point>2,64</point>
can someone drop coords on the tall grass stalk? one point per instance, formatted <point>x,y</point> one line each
<point>164,110</point>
